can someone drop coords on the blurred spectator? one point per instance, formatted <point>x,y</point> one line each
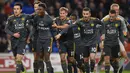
<point>51,12</point>
<point>3,37</point>
<point>107,4</point>
<point>79,8</point>
<point>124,7</point>
<point>57,7</point>
<point>102,8</point>
<point>100,15</point>
<point>48,2</point>
<point>67,5</point>
<point>93,9</point>
<point>116,1</point>
<point>7,8</point>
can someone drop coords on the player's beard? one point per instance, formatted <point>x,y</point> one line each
<point>86,18</point>
<point>17,14</point>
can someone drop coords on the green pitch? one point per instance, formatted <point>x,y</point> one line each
<point>62,72</point>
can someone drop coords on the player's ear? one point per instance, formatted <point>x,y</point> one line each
<point>90,14</point>
<point>21,10</point>
<point>66,13</point>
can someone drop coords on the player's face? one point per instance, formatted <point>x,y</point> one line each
<point>41,11</point>
<point>36,8</point>
<point>112,17</point>
<point>73,18</point>
<point>63,14</point>
<point>116,9</point>
<point>17,10</point>
<point>86,15</point>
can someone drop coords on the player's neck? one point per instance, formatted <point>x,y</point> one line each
<point>63,18</point>
<point>42,14</point>
<point>86,19</point>
<point>17,15</point>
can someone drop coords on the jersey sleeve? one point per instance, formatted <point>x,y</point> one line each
<point>8,27</point>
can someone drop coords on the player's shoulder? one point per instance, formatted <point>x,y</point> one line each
<point>106,19</point>
<point>93,18</point>
<point>48,17</point>
<point>11,16</point>
<point>36,17</point>
<point>81,19</point>
<point>56,18</point>
<point>67,18</point>
<point>118,19</point>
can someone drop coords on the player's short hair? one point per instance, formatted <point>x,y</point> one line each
<point>112,11</point>
<point>43,5</point>
<point>86,9</point>
<point>114,4</point>
<point>74,15</point>
<point>19,4</point>
<point>64,9</point>
<point>37,2</point>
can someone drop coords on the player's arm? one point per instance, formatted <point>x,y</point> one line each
<point>60,26</point>
<point>8,27</point>
<point>29,28</point>
<point>124,26</point>
<point>100,26</point>
<point>121,35</point>
<point>61,33</point>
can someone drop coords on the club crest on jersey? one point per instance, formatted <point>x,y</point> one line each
<point>116,25</point>
<point>23,19</point>
<point>14,20</point>
<point>92,24</point>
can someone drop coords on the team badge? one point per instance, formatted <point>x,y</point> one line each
<point>92,24</point>
<point>116,25</point>
<point>23,19</point>
<point>14,20</point>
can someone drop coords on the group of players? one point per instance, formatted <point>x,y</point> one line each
<point>76,39</point>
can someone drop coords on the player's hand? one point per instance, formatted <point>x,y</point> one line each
<point>125,44</point>
<point>101,45</point>
<point>16,35</point>
<point>28,40</point>
<point>57,36</point>
<point>57,44</point>
<point>102,37</point>
<point>54,25</point>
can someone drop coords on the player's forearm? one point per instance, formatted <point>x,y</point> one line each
<point>9,32</point>
<point>31,31</point>
<point>121,37</point>
<point>63,26</point>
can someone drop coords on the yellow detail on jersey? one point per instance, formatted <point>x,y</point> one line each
<point>93,18</point>
<point>23,19</point>
<point>92,25</point>
<point>106,19</point>
<point>78,28</point>
<point>67,18</point>
<point>116,25</point>
<point>118,18</point>
<point>11,15</point>
<point>14,20</point>
<point>81,19</point>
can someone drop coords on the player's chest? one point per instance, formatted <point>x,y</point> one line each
<point>42,22</point>
<point>87,25</point>
<point>61,22</point>
<point>112,25</point>
<point>18,22</point>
